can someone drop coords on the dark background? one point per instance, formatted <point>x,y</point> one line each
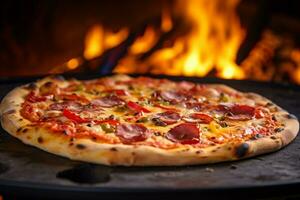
<point>37,35</point>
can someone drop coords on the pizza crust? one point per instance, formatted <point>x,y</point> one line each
<point>134,155</point>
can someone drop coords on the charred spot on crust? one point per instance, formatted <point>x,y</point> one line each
<point>229,148</point>
<point>213,151</point>
<point>269,104</point>
<point>113,149</point>
<point>71,144</point>
<point>31,86</point>
<point>133,153</point>
<point>19,129</point>
<point>20,119</point>
<point>80,146</point>
<point>256,136</point>
<point>40,140</point>
<point>198,152</point>
<point>242,150</point>
<point>24,130</point>
<point>48,84</point>
<point>277,130</point>
<point>273,137</point>
<point>291,116</point>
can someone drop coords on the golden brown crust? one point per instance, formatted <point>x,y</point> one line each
<point>131,155</point>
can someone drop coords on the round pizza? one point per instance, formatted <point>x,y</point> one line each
<point>142,121</point>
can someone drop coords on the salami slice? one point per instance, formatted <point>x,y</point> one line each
<point>169,117</point>
<point>70,105</point>
<point>174,96</point>
<point>108,101</point>
<point>237,112</point>
<point>186,133</point>
<point>198,118</point>
<point>129,133</point>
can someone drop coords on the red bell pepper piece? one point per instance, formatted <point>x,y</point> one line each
<point>136,107</point>
<point>74,117</point>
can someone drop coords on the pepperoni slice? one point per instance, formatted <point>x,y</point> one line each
<point>196,106</point>
<point>237,112</point>
<point>174,96</point>
<point>129,133</point>
<point>108,101</point>
<point>185,85</point>
<point>169,117</point>
<point>198,118</point>
<point>70,105</point>
<point>243,109</point>
<point>186,133</point>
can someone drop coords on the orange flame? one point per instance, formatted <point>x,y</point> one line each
<point>98,40</point>
<point>214,40</point>
<point>145,42</point>
<point>212,43</point>
<point>166,20</point>
<point>94,42</point>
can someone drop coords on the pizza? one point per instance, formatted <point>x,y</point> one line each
<point>143,121</point>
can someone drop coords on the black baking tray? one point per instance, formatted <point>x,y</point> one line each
<point>28,172</point>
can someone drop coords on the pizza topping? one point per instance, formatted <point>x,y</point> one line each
<point>198,118</point>
<point>118,92</point>
<point>74,117</point>
<point>174,96</point>
<point>168,117</point>
<point>70,105</point>
<point>136,107</point>
<point>108,101</point>
<point>49,88</point>
<point>129,133</point>
<point>166,108</point>
<point>185,85</point>
<point>73,97</point>
<point>31,97</point>
<point>196,106</point>
<point>205,91</point>
<point>107,121</point>
<point>31,113</point>
<point>186,133</point>
<point>181,110</point>
<point>237,112</point>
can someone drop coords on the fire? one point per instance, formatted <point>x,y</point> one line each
<point>94,42</point>
<point>214,39</point>
<point>145,42</point>
<point>191,38</point>
<point>212,43</point>
<point>210,47</point>
<point>166,20</point>
<point>73,63</point>
<point>98,40</point>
